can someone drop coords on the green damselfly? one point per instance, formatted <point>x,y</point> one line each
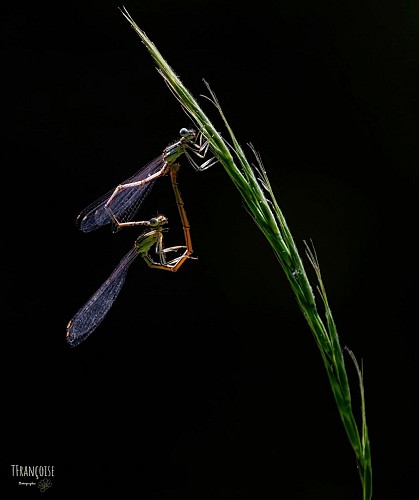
<point>119,205</point>
<point>93,312</point>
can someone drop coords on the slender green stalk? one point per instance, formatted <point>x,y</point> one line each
<point>253,184</point>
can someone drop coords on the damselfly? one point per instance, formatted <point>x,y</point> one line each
<point>120,205</point>
<point>92,313</point>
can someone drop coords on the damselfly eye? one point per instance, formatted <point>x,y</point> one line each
<point>183,132</point>
<point>158,221</point>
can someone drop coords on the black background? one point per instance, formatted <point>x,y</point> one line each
<point>206,383</point>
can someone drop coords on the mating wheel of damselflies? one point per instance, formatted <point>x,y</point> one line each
<point>92,313</point>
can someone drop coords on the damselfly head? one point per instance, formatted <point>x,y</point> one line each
<point>186,132</point>
<point>158,221</point>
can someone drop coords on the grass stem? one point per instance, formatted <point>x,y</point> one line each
<point>252,181</point>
